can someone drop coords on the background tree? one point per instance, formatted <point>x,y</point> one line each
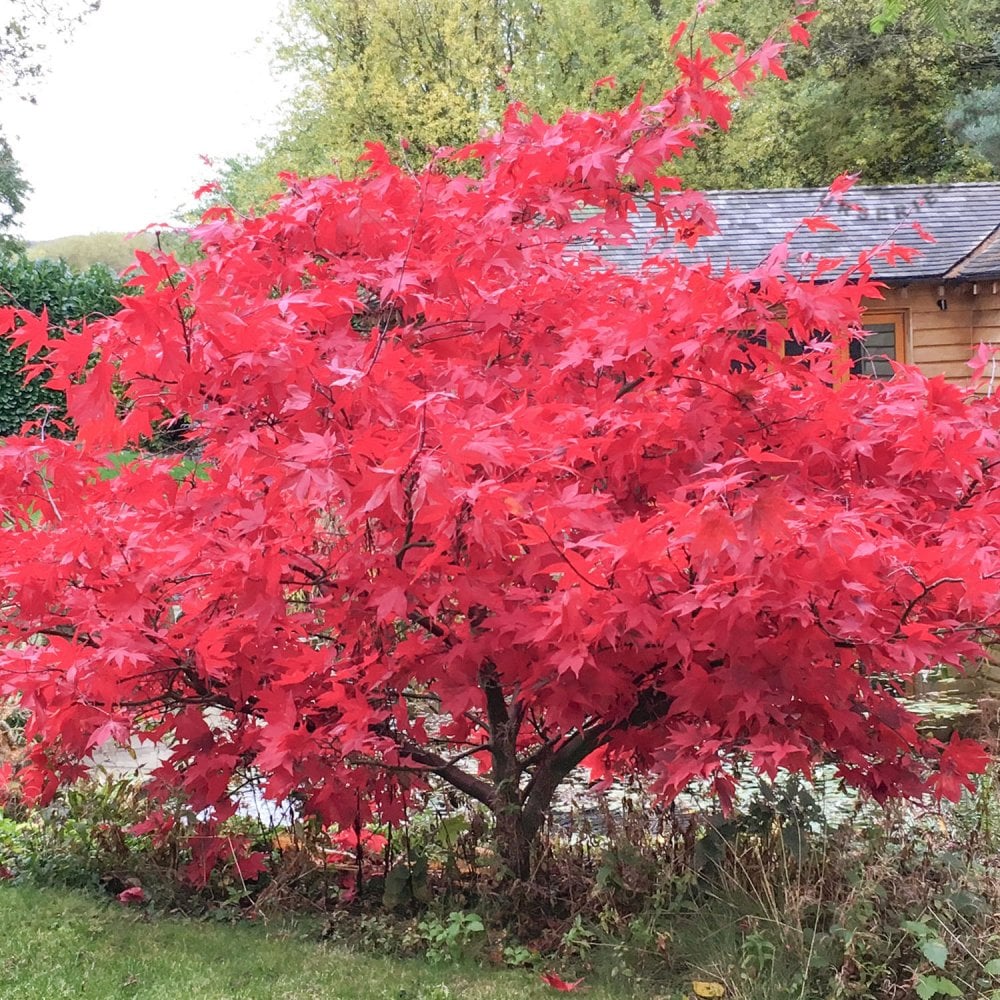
<point>13,190</point>
<point>975,118</point>
<point>857,102</point>
<point>473,507</point>
<point>938,15</point>
<point>435,73</point>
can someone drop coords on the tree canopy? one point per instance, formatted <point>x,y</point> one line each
<point>432,73</point>
<point>875,105</point>
<point>13,190</point>
<point>464,503</point>
<point>975,117</point>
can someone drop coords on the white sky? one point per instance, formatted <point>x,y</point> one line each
<point>131,100</point>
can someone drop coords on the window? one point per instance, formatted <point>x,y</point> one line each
<point>885,341</point>
<point>869,357</point>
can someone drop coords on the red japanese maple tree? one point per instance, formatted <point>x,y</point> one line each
<point>464,502</point>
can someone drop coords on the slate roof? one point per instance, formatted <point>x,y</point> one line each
<point>964,218</point>
<point>984,263</point>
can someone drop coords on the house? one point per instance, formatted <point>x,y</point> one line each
<point>937,307</point>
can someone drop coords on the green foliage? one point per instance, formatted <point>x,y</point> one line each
<point>929,987</point>
<point>418,74</point>
<point>899,905</point>
<point>79,840</point>
<point>975,117</point>
<point>68,295</point>
<point>855,102</point>
<point>937,14</point>
<point>95,836</point>
<point>517,956</point>
<point>407,882</point>
<point>13,190</point>
<point>429,73</point>
<point>933,981</point>
<point>453,937</point>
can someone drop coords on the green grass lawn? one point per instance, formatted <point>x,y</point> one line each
<point>60,944</point>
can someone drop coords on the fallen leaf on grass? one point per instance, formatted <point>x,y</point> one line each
<point>558,983</point>
<point>703,989</point>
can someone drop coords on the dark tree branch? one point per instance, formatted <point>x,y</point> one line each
<point>472,786</point>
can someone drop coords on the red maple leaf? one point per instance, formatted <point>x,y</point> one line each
<point>557,983</point>
<point>134,894</point>
<point>843,183</point>
<point>816,222</point>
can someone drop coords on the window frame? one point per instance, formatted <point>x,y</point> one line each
<point>843,363</point>
<point>899,320</point>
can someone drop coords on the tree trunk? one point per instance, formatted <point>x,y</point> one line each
<point>519,814</point>
<point>513,841</point>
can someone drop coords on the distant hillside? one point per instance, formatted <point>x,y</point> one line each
<point>116,250</point>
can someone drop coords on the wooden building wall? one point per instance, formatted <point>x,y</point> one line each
<point>941,341</point>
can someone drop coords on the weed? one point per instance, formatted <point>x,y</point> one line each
<point>517,956</point>
<point>451,938</point>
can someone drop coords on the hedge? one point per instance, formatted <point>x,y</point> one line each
<point>69,295</point>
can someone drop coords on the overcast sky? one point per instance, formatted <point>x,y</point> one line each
<point>131,101</point>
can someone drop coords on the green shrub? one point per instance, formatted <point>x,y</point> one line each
<point>68,295</point>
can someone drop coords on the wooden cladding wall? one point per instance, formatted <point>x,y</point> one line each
<point>941,341</point>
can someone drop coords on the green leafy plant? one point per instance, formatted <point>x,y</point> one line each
<point>407,882</point>
<point>517,956</point>
<point>452,937</point>
<point>939,980</point>
<point>759,952</point>
<point>579,939</point>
